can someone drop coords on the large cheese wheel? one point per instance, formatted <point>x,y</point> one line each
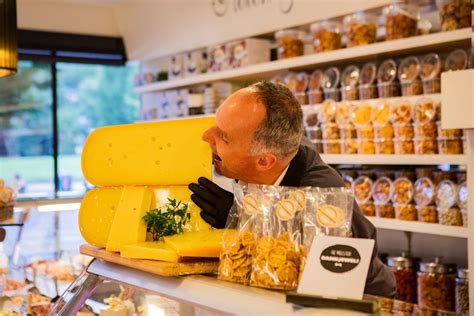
<point>153,153</point>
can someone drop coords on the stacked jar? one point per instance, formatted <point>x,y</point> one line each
<point>346,128</point>
<point>430,71</point>
<point>401,20</point>
<point>454,14</point>
<point>425,199</point>
<point>381,193</point>
<point>446,201</point>
<point>368,75</point>
<point>362,188</point>
<point>450,141</point>
<point>331,80</point>
<point>403,269</point>
<point>383,128</point>
<point>349,82</point>
<point>290,43</point>
<point>409,76</point>
<point>298,83</point>
<point>311,126</point>
<point>361,117</point>
<point>402,197</point>
<point>315,87</point>
<point>462,292</point>
<point>436,286</point>
<point>387,84</point>
<point>425,113</point>
<point>401,118</point>
<point>360,29</point>
<point>326,36</point>
<point>329,128</point>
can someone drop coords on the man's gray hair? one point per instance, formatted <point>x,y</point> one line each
<point>282,129</point>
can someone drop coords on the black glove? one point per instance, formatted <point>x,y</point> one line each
<point>214,201</point>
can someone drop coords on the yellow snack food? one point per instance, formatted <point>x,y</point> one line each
<point>152,250</point>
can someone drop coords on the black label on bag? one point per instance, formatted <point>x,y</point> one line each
<point>340,258</point>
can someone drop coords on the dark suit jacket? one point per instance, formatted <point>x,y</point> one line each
<point>308,169</point>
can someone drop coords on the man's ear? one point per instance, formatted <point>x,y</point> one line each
<point>266,161</point>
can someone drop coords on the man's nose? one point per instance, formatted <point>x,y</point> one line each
<point>208,135</point>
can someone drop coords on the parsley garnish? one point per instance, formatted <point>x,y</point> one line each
<point>168,219</point>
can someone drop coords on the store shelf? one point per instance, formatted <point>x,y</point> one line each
<point>419,227</point>
<point>395,159</point>
<point>265,70</point>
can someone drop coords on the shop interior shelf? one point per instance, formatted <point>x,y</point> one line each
<point>419,227</point>
<point>269,69</point>
<point>395,159</point>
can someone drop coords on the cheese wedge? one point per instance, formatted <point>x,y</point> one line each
<point>197,244</point>
<point>152,250</point>
<point>152,153</point>
<point>128,227</point>
<point>96,214</point>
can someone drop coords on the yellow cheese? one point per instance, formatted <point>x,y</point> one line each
<point>197,244</point>
<point>153,153</point>
<point>96,214</point>
<point>153,250</point>
<point>128,227</point>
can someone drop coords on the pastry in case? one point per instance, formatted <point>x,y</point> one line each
<point>330,131</point>
<point>360,29</point>
<point>366,146</point>
<point>424,191</point>
<point>451,216</point>
<point>387,86</point>
<point>367,87</point>
<point>405,212</point>
<point>290,43</point>
<point>454,14</point>
<point>331,80</point>
<point>404,146</point>
<point>401,20</point>
<point>427,213</point>
<point>331,146</point>
<point>408,74</point>
<point>430,71</point>
<point>425,146</point>
<point>448,133</point>
<point>450,146</point>
<point>315,91</point>
<point>362,188</point>
<point>326,36</point>
<point>349,146</point>
<point>384,146</point>
<point>349,81</point>
<point>402,191</point>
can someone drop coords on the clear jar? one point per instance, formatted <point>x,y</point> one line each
<point>448,133</point>
<point>361,114</point>
<point>403,268</point>
<point>450,146</point>
<point>313,133</point>
<point>365,132</point>
<point>384,146</point>
<point>382,190</point>
<point>408,74</point>
<point>343,113</point>
<point>462,195</point>
<point>365,146</point>
<point>330,131</point>
<point>425,146</point>
<point>424,191</point>
<point>386,79</point>
<point>384,210</point>
<point>454,14</point>
<point>331,146</point>
<point>404,146</point>
<point>297,82</point>
<point>315,91</point>
<point>326,36</point>
<point>404,130</point>
<point>450,216</point>
<point>425,130</point>
<point>427,213</point>
<point>327,111</point>
<point>401,112</point>
<point>367,87</point>
<point>425,111</point>
<point>360,29</point>
<point>349,146</point>
<point>405,212</point>
<point>381,113</point>
<point>315,96</point>
<point>367,92</point>
<point>290,43</point>
<point>331,80</point>
<point>430,71</point>
<point>388,89</point>
<point>368,209</point>
<point>402,191</point>
<point>435,286</point>
<point>384,131</point>
<point>362,188</point>
<point>301,97</point>
<point>401,20</point>
<point>349,81</point>
<point>347,131</point>
<point>446,194</point>
<point>462,292</point>
<point>456,60</point>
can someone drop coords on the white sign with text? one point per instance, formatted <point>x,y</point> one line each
<point>337,267</point>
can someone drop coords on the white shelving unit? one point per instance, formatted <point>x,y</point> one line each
<point>395,159</point>
<point>269,69</point>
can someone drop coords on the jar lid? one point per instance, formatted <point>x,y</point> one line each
<point>368,73</point>
<point>409,69</point>
<point>402,190</point>
<point>327,25</point>
<point>424,191</point>
<point>446,194</point>
<point>433,267</point>
<point>361,114</point>
<point>297,34</point>
<point>362,188</point>
<point>331,79</point>
<point>327,112</point>
<point>381,113</point>
<point>462,195</point>
<point>343,112</point>
<point>382,189</point>
<point>316,80</point>
<point>463,273</point>
<point>350,76</point>
<point>400,262</point>
<point>430,66</point>
<point>387,72</point>
<point>456,60</point>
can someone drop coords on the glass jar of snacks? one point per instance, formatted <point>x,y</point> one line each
<point>403,268</point>
<point>401,20</point>
<point>450,216</point>
<point>401,112</point>
<point>425,111</point>
<point>454,14</point>
<point>366,146</point>
<point>405,212</point>
<point>446,194</point>
<point>425,130</point>
<point>425,146</point>
<point>348,175</point>
<point>313,133</point>
<point>387,86</point>
<point>360,29</point>
<point>384,146</point>
<point>315,90</point>
<point>367,208</point>
<point>382,190</point>
<point>326,36</point>
<point>384,210</point>
<point>349,146</point>
<point>448,133</point>
<point>362,188</point>
<point>456,60</point>
<point>331,79</point>
<point>462,195</point>
<point>424,191</point>
<point>367,88</point>
<point>427,213</point>
<point>462,292</point>
<point>330,131</point>
<point>384,131</point>
<point>349,81</point>
<point>408,74</point>
<point>435,286</point>
<point>361,114</point>
<point>290,43</point>
<point>429,73</point>
<point>343,113</point>
<point>402,191</point>
<point>331,146</point>
<point>365,132</point>
<point>404,146</point>
<point>347,131</point>
<point>327,111</point>
<point>450,146</point>
<point>298,83</point>
<point>381,113</point>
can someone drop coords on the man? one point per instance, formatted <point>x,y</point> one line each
<point>258,138</point>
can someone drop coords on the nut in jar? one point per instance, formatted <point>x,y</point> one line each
<point>368,209</point>
<point>455,14</point>
<point>362,187</point>
<point>402,191</point>
<point>326,36</point>
<point>331,146</point>
<point>426,110</point>
<point>401,20</point>
<point>330,131</point>
<point>450,216</point>
<point>425,130</point>
<point>327,111</point>
<point>290,43</point>
<point>384,210</point>
<point>384,146</point>
<point>424,191</point>
<point>425,146</point>
<point>404,146</point>
<point>360,29</point>
<point>347,131</point>
<point>366,146</point>
<point>427,213</point>
<point>448,133</point>
<point>361,114</point>
<point>401,112</point>
<point>446,194</point>
<point>382,190</point>
<point>405,212</point>
<point>349,146</point>
<point>384,131</point>
<point>450,146</point>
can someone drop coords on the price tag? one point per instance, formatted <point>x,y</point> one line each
<point>337,267</point>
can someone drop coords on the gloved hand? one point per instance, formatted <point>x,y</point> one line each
<point>214,201</point>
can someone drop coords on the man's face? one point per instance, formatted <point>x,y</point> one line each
<point>231,138</point>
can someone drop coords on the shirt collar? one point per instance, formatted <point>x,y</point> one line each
<point>280,178</point>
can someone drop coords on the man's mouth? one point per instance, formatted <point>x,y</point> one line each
<point>215,157</point>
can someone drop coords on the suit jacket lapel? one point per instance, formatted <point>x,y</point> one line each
<point>295,172</point>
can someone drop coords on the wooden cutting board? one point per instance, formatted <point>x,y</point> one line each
<point>163,268</point>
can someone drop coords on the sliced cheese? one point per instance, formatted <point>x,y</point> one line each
<point>152,153</point>
<point>128,227</point>
<point>197,244</point>
<point>96,214</point>
<point>153,250</point>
